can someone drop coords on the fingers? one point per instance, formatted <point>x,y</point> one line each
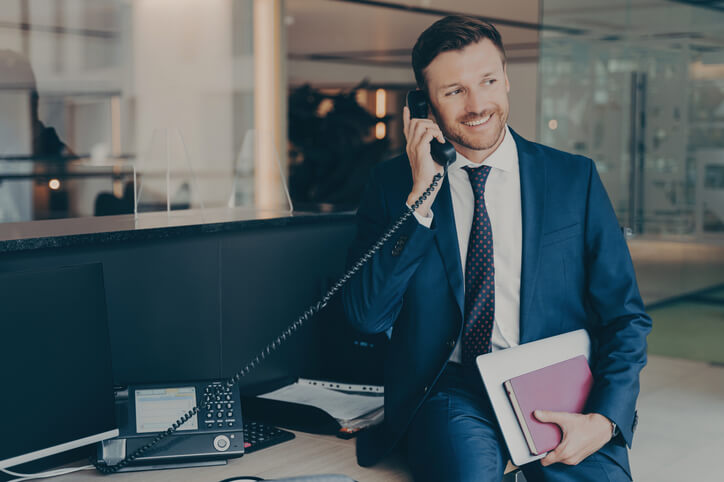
<point>547,416</point>
<point>558,418</point>
<point>406,121</point>
<point>423,130</point>
<point>419,134</point>
<point>554,456</point>
<point>580,439</point>
<point>563,454</point>
<point>425,138</point>
<point>432,128</point>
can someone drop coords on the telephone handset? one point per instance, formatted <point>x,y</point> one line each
<point>443,154</point>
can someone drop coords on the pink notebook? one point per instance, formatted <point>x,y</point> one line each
<point>561,387</point>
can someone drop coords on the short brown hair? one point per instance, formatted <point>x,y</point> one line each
<point>450,33</point>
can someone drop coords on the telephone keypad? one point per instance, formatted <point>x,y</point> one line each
<point>219,406</point>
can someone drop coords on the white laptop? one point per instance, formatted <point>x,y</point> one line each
<point>499,366</point>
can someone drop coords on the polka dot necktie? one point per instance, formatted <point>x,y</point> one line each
<point>479,275</point>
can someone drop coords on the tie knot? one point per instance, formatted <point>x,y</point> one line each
<point>478,176</point>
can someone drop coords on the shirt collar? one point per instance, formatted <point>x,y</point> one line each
<point>505,157</point>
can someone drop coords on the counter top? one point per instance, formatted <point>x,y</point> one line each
<point>55,233</point>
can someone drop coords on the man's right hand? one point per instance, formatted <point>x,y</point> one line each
<point>419,133</point>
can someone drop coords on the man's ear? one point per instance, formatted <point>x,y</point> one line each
<point>505,74</point>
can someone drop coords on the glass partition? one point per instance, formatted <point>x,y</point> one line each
<point>641,91</point>
<point>98,94</point>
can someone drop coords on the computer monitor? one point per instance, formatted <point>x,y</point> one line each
<point>55,363</point>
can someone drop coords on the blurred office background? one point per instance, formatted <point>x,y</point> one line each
<point>115,106</point>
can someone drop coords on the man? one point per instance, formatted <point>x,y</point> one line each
<point>518,243</point>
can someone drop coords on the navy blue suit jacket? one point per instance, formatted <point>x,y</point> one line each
<point>576,273</point>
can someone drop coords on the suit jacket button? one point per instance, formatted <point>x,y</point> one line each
<point>425,389</point>
<point>451,343</point>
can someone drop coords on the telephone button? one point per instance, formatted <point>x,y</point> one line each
<point>222,443</point>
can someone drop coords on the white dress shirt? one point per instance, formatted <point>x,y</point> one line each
<point>502,201</point>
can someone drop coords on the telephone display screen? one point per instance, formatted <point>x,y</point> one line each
<point>158,408</point>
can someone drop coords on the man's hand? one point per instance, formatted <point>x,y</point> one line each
<point>582,435</point>
<point>419,133</point>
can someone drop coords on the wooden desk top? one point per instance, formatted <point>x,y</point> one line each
<point>307,454</point>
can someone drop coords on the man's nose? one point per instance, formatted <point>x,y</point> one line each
<point>475,101</point>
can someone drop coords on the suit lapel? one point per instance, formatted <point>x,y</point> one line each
<point>532,191</point>
<point>447,241</point>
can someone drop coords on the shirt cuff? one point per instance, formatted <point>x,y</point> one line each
<point>425,221</point>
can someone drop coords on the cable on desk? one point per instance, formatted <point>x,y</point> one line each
<point>45,475</point>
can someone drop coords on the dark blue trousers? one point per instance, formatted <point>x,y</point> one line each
<point>455,437</point>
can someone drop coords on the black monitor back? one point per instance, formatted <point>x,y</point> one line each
<point>55,358</point>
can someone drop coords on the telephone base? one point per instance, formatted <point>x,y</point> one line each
<point>173,465</point>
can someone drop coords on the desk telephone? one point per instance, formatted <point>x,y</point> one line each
<point>142,411</point>
<point>145,426</point>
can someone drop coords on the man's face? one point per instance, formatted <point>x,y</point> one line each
<point>468,91</point>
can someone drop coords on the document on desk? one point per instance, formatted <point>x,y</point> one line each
<point>340,405</point>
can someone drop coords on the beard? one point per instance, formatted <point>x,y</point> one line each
<point>478,141</point>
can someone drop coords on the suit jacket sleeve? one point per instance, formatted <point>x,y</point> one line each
<point>373,296</point>
<point>619,337</point>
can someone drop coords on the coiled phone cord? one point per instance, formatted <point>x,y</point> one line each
<point>289,331</point>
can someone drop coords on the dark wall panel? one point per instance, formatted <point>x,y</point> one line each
<point>269,278</point>
<point>199,306</point>
<point>164,311</point>
<point>162,299</point>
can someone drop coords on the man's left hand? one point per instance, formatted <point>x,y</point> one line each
<point>583,434</point>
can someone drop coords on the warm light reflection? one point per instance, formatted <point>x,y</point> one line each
<point>361,97</point>
<point>380,130</point>
<point>381,104</point>
<point>54,184</point>
<point>553,124</point>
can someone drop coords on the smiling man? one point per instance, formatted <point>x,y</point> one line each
<point>518,243</point>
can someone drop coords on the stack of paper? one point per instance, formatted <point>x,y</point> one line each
<point>353,406</point>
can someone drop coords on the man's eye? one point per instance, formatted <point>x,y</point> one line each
<point>489,81</point>
<point>453,92</point>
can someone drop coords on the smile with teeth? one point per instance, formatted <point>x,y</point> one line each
<point>478,122</point>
